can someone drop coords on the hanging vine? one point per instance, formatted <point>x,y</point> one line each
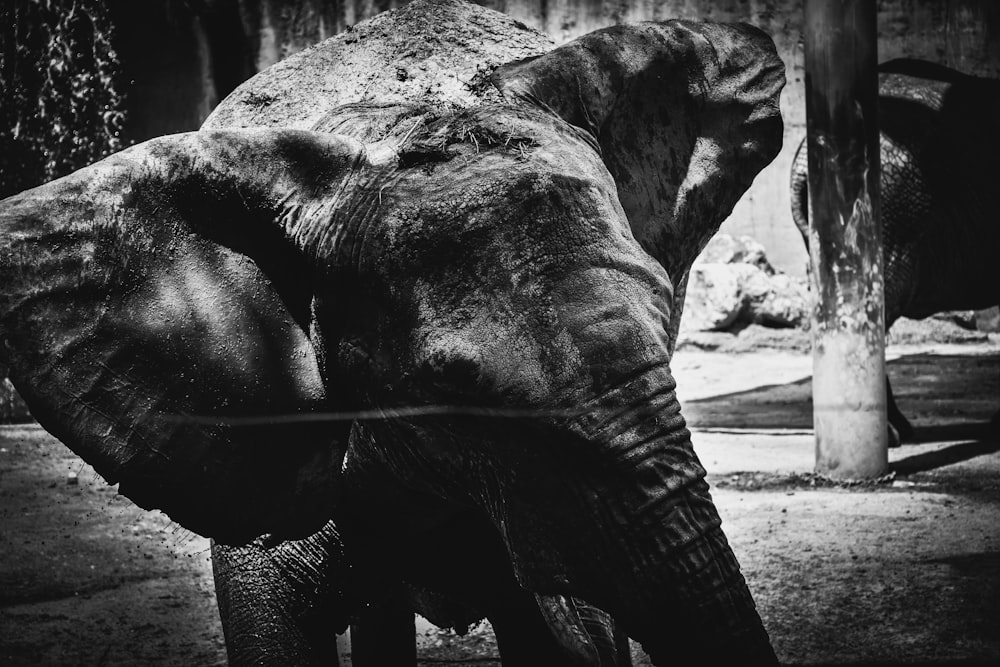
<point>60,105</point>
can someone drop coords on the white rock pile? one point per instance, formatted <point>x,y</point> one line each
<point>732,285</point>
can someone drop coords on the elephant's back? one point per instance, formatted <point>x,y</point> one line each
<point>940,138</point>
<point>430,52</point>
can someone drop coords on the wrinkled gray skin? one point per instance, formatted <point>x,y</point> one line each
<point>509,236</point>
<point>939,141</point>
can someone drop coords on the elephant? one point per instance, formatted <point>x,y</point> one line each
<point>938,140</point>
<point>394,329</point>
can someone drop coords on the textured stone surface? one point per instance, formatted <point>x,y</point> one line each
<point>715,296</point>
<point>989,319</point>
<point>728,249</point>
<point>777,300</point>
<point>733,284</point>
<point>907,331</point>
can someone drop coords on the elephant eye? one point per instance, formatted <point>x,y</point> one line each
<point>454,373</point>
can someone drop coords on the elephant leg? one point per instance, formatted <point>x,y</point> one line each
<point>462,560</point>
<point>900,429</point>
<point>530,629</point>
<point>459,569</point>
<point>385,634</point>
<point>281,603</point>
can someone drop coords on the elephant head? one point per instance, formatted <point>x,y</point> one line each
<point>483,278</point>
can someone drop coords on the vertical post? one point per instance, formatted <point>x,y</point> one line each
<point>845,239</point>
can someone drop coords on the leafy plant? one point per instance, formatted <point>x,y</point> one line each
<point>60,107</point>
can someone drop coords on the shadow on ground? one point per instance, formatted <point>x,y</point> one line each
<point>946,397</point>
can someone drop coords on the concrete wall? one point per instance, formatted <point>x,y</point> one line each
<point>195,56</point>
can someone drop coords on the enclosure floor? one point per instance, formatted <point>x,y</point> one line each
<point>905,572</point>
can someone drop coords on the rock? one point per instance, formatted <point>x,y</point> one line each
<point>757,337</point>
<point>988,320</point>
<point>707,341</point>
<point>776,300</point>
<point>744,289</point>
<point>726,249</point>
<point>715,296</point>
<point>932,330</point>
<point>749,339</point>
<point>963,318</point>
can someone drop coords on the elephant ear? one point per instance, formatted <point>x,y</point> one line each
<point>685,114</point>
<point>168,282</point>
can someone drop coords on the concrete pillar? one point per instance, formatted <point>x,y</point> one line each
<point>845,245</point>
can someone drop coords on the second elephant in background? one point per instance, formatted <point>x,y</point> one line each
<point>940,195</point>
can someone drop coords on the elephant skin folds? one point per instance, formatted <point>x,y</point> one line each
<point>482,263</point>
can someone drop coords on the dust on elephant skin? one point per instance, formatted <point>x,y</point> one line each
<point>358,309</point>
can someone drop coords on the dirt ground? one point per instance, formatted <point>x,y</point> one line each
<point>903,572</point>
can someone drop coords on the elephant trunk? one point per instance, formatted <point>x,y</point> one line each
<point>690,603</point>
<point>705,615</point>
<point>632,529</point>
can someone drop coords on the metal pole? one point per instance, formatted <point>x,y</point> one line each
<point>844,238</point>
